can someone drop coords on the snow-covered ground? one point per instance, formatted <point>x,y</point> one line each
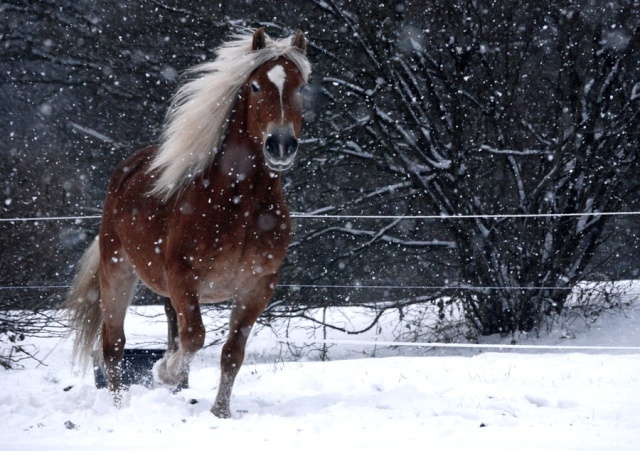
<point>403,398</point>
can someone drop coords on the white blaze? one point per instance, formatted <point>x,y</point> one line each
<point>278,77</point>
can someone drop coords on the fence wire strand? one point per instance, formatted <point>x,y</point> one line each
<point>302,215</point>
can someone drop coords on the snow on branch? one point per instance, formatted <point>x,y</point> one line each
<point>92,132</point>
<point>515,152</point>
<point>340,82</point>
<point>376,236</point>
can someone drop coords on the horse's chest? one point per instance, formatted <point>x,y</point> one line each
<point>233,253</point>
<point>244,233</point>
<point>246,245</point>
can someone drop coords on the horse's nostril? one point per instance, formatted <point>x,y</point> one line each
<point>291,145</point>
<point>271,145</point>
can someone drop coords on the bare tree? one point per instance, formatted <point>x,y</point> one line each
<point>504,109</point>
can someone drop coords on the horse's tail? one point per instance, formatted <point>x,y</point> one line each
<point>83,304</point>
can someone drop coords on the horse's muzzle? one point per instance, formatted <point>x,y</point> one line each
<point>280,147</point>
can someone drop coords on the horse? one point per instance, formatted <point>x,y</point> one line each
<point>201,217</point>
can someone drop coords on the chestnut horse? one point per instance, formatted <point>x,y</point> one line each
<point>202,217</point>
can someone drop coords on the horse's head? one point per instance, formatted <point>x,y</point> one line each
<point>274,97</point>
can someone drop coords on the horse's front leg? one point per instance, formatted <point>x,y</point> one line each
<point>246,310</point>
<point>173,340</point>
<point>173,368</point>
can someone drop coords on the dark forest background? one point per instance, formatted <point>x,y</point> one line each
<point>414,108</point>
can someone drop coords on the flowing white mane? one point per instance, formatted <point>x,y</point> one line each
<point>196,123</point>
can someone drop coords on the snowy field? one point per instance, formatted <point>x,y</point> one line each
<point>404,398</point>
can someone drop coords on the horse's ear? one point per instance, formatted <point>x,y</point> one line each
<point>259,40</point>
<point>300,41</point>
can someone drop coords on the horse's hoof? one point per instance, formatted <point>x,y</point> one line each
<point>161,374</point>
<point>221,412</point>
<point>158,370</point>
<point>184,383</point>
<point>117,398</point>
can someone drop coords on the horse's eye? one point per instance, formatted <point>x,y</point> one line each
<point>255,87</point>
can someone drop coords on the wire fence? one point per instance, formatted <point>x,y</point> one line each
<point>319,286</point>
<point>306,342</point>
<point>302,215</point>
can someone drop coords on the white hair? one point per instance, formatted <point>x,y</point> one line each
<point>196,123</point>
